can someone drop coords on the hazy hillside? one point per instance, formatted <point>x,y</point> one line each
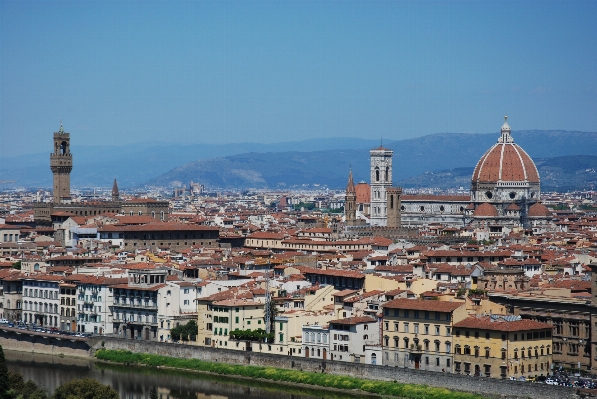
<point>134,165</point>
<point>413,157</point>
<point>567,173</point>
<point>315,161</point>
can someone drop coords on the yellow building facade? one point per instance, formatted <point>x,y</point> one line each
<point>502,346</point>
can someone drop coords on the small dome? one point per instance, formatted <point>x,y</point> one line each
<point>485,210</point>
<point>539,210</point>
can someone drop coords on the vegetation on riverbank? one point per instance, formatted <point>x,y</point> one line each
<point>283,375</point>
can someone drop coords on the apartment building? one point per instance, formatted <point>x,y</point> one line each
<point>417,334</point>
<point>501,346</point>
<point>135,304</point>
<point>349,336</point>
<point>41,300</point>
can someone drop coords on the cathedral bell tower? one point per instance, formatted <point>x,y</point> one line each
<point>381,180</point>
<point>61,163</point>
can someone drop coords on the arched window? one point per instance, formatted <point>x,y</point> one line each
<point>376,174</point>
<point>386,178</point>
<point>391,201</point>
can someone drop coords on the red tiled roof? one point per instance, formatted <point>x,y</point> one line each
<point>354,320</point>
<point>539,210</point>
<point>416,304</point>
<point>505,162</point>
<point>485,210</point>
<point>486,323</point>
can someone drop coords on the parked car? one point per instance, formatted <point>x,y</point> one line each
<point>4,321</point>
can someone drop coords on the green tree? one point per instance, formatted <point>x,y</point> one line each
<point>85,388</point>
<point>24,390</point>
<point>16,381</point>
<point>17,265</point>
<point>185,332</point>
<point>4,377</point>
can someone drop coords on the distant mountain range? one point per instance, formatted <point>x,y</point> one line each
<point>567,173</point>
<point>439,160</point>
<point>454,154</point>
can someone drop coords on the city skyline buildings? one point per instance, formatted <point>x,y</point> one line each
<point>120,73</point>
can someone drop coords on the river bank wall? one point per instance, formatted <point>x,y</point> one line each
<point>49,344</point>
<point>484,386</point>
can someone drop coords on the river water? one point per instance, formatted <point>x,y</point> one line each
<point>136,382</point>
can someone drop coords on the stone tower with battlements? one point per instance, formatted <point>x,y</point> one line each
<point>381,179</point>
<point>61,163</point>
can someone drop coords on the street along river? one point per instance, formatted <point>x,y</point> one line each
<point>136,382</point>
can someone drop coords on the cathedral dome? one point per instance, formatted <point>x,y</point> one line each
<point>505,161</point>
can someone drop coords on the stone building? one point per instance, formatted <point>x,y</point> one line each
<point>417,334</point>
<point>61,163</point>
<point>134,306</point>
<point>501,347</point>
<point>176,236</point>
<point>350,336</point>
<point>393,207</point>
<point>573,321</point>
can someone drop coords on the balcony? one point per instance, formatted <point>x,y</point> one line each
<point>416,349</point>
<point>152,306</point>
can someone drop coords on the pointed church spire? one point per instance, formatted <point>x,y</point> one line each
<point>350,186</point>
<point>115,192</point>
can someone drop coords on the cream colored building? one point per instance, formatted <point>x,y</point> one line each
<point>417,334</point>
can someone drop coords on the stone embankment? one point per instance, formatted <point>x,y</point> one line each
<point>484,386</point>
<point>51,344</point>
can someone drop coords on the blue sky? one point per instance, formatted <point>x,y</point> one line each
<point>196,72</point>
